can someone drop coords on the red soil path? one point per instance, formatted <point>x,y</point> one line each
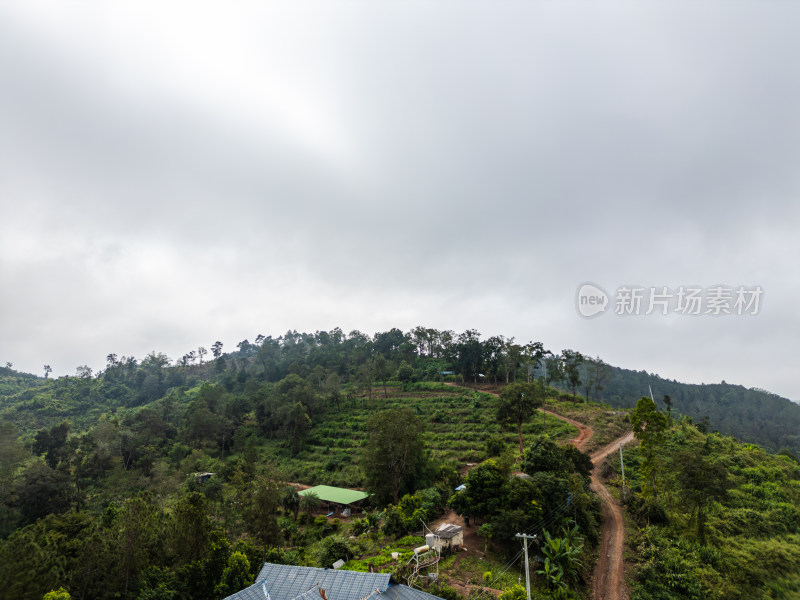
<point>608,582</point>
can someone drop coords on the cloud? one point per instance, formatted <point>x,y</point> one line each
<point>173,175</point>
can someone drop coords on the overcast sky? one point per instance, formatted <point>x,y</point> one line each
<point>172,174</point>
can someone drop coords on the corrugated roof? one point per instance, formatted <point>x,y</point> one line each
<point>335,494</point>
<point>312,594</point>
<point>254,592</point>
<point>288,582</point>
<point>403,592</point>
<point>448,530</point>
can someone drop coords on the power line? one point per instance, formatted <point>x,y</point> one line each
<point>509,565</point>
<point>551,517</point>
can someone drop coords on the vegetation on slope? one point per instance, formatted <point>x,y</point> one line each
<point>716,518</point>
<point>97,492</point>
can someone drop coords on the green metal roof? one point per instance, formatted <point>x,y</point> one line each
<point>328,493</point>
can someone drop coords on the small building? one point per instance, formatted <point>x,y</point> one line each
<point>203,477</point>
<point>337,500</point>
<point>446,538</point>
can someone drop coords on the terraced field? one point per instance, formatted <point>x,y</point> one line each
<point>461,420</point>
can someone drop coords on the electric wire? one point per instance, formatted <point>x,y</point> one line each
<point>510,563</point>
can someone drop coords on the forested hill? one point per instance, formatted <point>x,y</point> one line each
<point>12,381</point>
<point>333,358</point>
<point>750,414</point>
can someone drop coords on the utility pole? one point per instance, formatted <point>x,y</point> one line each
<point>622,462</point>
<point>525,537</point>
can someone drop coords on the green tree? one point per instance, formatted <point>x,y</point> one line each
<point>290,501</point>
<point>68,550</point>
<point>532,354</point>
<point>297,424</point>
<point>668,403</point>
<point>201,423</point>
<point>260,499</point>
<point>51,442</point>
<point>571,361</point>
<point>544,454</point>
<point>383,371</point>
<point>333,388</point>
<point>405,373</point>
<point>235,577</point>
<point>702,480</point>
<point>516,405</point>
<point>483,495</point>
<point>293,389</point>
<point>649,427</point>
<point>554,373</point>
<point>309,503</point>
<point>41,491</point>
<point>365,378</point>
<point>331,549</point>
<point>191,535</point>
<point>137,537</point>
<point>59,594</point>
<point>394,457</point>
<point>495,446</point>
<point>469,355</point>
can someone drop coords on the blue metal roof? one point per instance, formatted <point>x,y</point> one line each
<point>403,592</point>
<point>289,582</point>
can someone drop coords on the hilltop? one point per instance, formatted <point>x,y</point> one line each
<point>751,415</point>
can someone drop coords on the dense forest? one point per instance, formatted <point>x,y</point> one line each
<point>751,415</point>
<point>100,494</point>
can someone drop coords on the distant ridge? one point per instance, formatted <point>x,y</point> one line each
<point>750,414</point>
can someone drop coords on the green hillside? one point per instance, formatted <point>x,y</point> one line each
<point>721,519</point>
<point>13,382</point>
<point>99,490</point>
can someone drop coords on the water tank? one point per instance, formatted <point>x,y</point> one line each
<point>421,549</point>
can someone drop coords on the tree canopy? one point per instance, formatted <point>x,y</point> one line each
<point>394,455</point>
<point>517,403</point>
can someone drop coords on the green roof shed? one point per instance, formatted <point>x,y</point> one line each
<point>328,493</point>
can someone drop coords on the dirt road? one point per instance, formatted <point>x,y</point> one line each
<point>585,432</point>
<point>608,582</point>
<point>609,573</point>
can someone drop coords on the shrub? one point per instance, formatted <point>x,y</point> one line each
<point>446,592</point>
<point>330,549</point>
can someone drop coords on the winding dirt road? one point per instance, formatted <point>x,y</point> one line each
<point>609,573</point>
<point>608,582</point>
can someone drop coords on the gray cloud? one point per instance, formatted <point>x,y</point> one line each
<point>172,177</point>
